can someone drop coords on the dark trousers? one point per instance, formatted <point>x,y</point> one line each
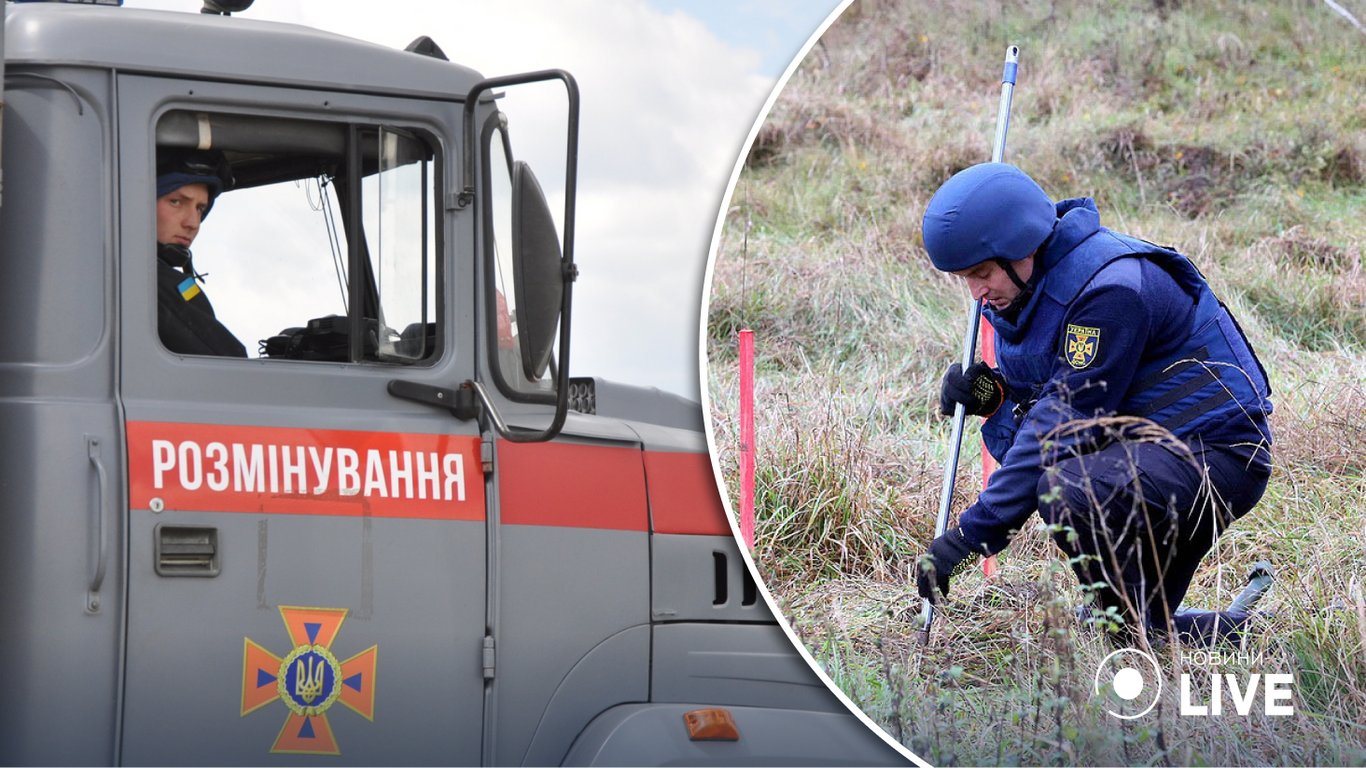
<point>1136,519</point>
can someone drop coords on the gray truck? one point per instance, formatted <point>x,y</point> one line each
<point>397,531</point>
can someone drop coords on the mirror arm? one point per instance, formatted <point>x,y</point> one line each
<point>471,401</point>
<point>517,434</point>
<point>570,273</point>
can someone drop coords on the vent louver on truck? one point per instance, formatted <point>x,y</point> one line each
<point>186,550</point>
<point>583,396</point>
<point>749,591</point>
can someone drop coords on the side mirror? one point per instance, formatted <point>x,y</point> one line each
<point>543,274</point>
<point>539,274</point>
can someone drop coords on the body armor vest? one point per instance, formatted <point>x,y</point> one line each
<point>1213,376</point>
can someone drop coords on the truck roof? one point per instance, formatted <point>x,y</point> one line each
<point>220,48</point>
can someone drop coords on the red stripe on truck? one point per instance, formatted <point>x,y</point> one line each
<point>571,485</point>
<point>298,471</point>
<point>592,486</point>
<point>683,496</point>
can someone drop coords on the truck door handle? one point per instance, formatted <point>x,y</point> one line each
<point>98,547</point>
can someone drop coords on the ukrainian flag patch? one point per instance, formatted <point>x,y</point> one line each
<point>1082,345</point>
<point>188,288</point>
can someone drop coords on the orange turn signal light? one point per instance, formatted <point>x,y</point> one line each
<point>714,724</point>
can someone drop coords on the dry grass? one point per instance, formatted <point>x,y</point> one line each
<point>1232,130</point>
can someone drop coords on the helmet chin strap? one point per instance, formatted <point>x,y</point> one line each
<point>1022,298</point>
<point>1010,272</point>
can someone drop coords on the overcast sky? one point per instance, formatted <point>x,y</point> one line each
<point>669,91</point>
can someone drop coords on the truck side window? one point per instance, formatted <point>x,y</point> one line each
<point>322,232</point>
<point>395,200</point>
<point>507,350</point>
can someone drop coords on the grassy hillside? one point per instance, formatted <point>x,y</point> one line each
<point>1234,131</point>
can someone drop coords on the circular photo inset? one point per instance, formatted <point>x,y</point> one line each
<point>1037,332</point>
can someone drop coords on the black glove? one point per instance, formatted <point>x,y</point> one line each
<point>981,390</point>
<point>949,556</point>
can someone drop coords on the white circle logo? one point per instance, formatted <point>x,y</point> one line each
<point>1130,682</point>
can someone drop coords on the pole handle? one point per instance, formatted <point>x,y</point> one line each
<point>998,152</point>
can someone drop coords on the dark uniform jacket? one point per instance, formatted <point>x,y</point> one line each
<point>185,318</point>
<point>1115,326</point>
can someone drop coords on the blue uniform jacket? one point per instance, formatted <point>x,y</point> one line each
<point>1115,326</point>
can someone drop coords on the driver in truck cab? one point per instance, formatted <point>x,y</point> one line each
<point>188,182</point>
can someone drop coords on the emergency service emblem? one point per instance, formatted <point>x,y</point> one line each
<point>309,680</point>
<point>1082,343</point>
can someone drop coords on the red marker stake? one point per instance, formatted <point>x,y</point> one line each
<point>747,437</point>
<point>987,338</point>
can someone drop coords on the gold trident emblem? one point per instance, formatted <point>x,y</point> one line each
<point>308,681</point>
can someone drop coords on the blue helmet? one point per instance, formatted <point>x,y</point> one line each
<point>175,169</point>
<point>989,211</point>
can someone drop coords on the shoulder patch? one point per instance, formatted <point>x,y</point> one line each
<point>1082,344</point>
<point>188,288</point>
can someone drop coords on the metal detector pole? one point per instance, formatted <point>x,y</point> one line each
<point>998,152</point>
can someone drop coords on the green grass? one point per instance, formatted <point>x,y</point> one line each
<point>1232,130</point>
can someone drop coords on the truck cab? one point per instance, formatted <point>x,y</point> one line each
<point>396,530</point>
